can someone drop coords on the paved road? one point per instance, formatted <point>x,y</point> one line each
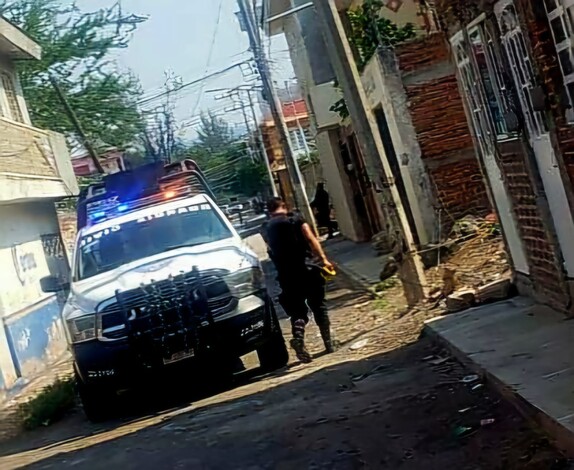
<point>383,401</point>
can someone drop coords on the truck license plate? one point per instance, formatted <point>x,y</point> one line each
<point>179,356</point>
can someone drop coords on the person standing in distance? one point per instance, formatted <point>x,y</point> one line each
<point>292,244</point>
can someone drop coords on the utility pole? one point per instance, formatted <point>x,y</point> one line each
<point>261,143</point>
<point>259,133</point>
<point>77,125</point>
<point>301,200</point>
<point>411,270</point>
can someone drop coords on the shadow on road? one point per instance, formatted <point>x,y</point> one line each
<point>391,410</point>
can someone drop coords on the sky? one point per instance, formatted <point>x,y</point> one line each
<point>189,39</point>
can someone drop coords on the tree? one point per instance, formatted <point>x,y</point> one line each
<point>214,133</point>
<point>251,179</point>
<point>159,137</point>
<point>369,31</point>
<point>76,51</point>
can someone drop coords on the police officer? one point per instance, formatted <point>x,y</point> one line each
<point>292,244</point>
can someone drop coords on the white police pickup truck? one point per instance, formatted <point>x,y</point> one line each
<point>167,286</point>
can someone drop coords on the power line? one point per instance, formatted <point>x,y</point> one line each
<point>209,56</point>
<point>193,82</point>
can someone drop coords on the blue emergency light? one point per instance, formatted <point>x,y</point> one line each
<point>145,186</point>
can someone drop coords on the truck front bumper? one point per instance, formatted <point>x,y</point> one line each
<point>116,364</point>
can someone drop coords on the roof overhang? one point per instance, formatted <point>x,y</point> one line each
<point>276,11</point>
<point>15,44</point>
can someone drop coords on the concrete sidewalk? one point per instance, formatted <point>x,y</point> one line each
<point>524,349</point>
<point>359,261</point>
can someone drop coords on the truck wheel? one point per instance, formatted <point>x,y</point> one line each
<point>273,355</point>
<point>98,403</point>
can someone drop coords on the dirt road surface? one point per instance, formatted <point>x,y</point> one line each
<point>386,399</point>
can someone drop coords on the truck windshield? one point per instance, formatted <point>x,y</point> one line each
<point>121,244</point>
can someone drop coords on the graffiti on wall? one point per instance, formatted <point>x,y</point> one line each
<point>25,264</point>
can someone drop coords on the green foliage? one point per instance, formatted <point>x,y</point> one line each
<point>340,107</point>
<point>369,31</point>
<point>251,179</point>
<point>225,160</point>
<point>50,405</point>
<point>214,134</point>
<point>76,51</point>
<point>310,159</point>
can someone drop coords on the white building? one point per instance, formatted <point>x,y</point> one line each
<point>35,171</point>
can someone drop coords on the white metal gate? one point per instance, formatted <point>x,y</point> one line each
<point>485,132</point>
<point>514,44</point>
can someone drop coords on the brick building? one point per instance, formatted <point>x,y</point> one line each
<point>516,72</point>
<point>298,122</point>
<point>412,92</point>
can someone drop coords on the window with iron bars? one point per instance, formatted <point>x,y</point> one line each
<point>11,97</point>
<point>561,18</point>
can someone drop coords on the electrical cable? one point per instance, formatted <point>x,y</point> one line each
<point>209,56</point>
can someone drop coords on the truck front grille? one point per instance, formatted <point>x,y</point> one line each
<point>168,309</point>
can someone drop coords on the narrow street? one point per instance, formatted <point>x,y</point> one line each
<point>386,399</point>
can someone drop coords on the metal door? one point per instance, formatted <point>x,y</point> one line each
<point>514,44</point>
<point>486,132</point>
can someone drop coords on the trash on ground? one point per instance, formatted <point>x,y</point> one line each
<point>487,422</point>
<point>374,371</point>
<point>439,361</point>
<point>462,431</point>
<point>364,304</point>
<point>464,410</point>
<point>359,345</point>
<point>470,379</point>
<point>477,386</point>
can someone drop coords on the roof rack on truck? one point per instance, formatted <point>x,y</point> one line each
<point>123,192</point>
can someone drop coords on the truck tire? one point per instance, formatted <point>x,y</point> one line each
<point>98,404</point>
<point>273,355</point>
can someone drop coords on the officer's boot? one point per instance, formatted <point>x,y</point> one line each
<point>298,342</point>
<point>325,328</point>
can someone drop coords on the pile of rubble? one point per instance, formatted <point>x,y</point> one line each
<point>476,268</point>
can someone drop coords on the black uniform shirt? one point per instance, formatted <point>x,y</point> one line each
<point>288,246</point>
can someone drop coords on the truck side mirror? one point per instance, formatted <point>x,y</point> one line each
<point>53,284</point>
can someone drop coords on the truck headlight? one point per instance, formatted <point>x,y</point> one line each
<point>81,329</point>
<point>245,282</point>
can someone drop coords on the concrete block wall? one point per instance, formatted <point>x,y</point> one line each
<point>31,330</point>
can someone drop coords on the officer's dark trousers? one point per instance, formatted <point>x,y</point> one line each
<point>302,290</point>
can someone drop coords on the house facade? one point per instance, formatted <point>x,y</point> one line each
<point>112,161</point>
<point>515,68</point>
<point>298,122</point>
<point>413,94</point>
<point>35,171</point>
<point>342,165</point>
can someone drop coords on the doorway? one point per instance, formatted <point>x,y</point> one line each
<point>515,47</point>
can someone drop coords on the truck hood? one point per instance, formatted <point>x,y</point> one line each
<point>87,294</point>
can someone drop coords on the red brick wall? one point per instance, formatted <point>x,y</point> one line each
<point>439,120</point>
<point>545,271</point>
<point>460,189</point>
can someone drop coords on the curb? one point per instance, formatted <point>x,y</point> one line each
<point>562,437</point>
<point>357,281</point>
